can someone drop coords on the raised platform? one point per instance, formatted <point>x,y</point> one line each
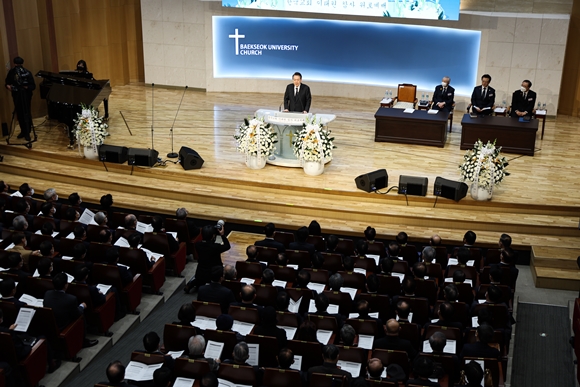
<point>555,267</point>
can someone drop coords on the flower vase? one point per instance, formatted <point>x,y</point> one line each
<point>91,153</point>
<point>255,162</point>
<point>313,168</point>
<point>480,193</point>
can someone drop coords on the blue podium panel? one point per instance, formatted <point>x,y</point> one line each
<point>377,54</point>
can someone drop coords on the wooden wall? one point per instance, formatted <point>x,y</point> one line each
<point>54,34</point>
<point>570,93</point>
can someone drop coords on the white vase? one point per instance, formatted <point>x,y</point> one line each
<point>313,168</point>
<point>255,162</point>
<point>90,153</point>
<point>479,193</point>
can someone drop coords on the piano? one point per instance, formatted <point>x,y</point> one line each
<point>64,94</point>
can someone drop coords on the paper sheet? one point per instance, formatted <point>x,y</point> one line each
<point>32,301</point>
<point>175,354</point>
<point>143,228</point>
<point>254,353</point>
<point>140,372</point>
<point>365,341</point>
<point>360,271</point>
<point>319,288</point>
<point>350,291</point>
<point>410,317</point>
<point>279,283</point>
<point>23,319</point>
<point>17,194</point>
<point>247,281</point>
<point>290,331</point>
<point>87,216</point>
<point>432,111</point>
<point>183,382</point>
<point>350,366</point>
<point>474,322</point>
<point>400,275</point>
<point>104,288</point>
<point>323,336</point>
<point>297,363</point>
<point>408,110</point>
<point>213,350</point>
<point>122,242</point>
<point>295,267</point>
<point>375,257</point>
<point>204,323</point>
<point>242,327</point>
<point>294,305</point>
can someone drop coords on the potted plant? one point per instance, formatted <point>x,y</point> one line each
<point>485,168</point>
<point>90,131</point>
<point>313,146</point>
<point>256,140</point>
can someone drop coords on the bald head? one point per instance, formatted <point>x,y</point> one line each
<point>375,367</point>
<point>393,327</point>
<point>435,240</point>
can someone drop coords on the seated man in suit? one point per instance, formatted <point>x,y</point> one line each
<point>215,291</point>
<point>347,335</point>
<point>481,347</point>
<point>422,371</point>
<point>507,259</point>
<point>240,356</point>
<point>230,273</point>
<point>321,302</point>
<point>483,97</point>
<point>157,224</point>
<point>362,308</point>
<point>330,357</point>
<point>116,375</point>
<point>269,241</point>
<point>45,268</point>
<point>297,97</point>
<point>196,349</point>
<point>81,276</point>
<point>15,262</point>
<point>300,243</point>
<point>192,229</point>
<point>445,313</point>
<point>66,307</point>
<point>302,279</point>
<point>331,244</point>
<point>163,377</point>
<point>151,345</point>
<point>437,342</point>
<point>523,100</point>
<point>8,290</point>
<point>443,96</point>
<point>474,374</point>
<point>267,326</point>
<point>394,342</point>
<point>112,258</point>
<point>248,295</point>
<point>19,241</point>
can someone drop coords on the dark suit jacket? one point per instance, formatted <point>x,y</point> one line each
<point>270,242</point>
<point>209,255</point>
<point>15,301</point>
<point>329,368</point>
<point>65,306</point>
<point>122,384</point>
<point>521,104</point>
<point>397,344</point>
<point>272,331</point>
<point>216,292</point>
<point>126,275</point>
<point>300,103</point>
<point>97,298</point>
<point>21,349</point>
<point>447,97</point>
<point>192,229</point>
<point>478,100</point>
<point>478,349</point>
<point>302,246</point>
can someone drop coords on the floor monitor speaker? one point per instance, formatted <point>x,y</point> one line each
<point>113,154</point>
<point>454,190</point>
<point>372,181</point>
<point>412,185</point>
<point>189,158</point>
<point>142,157</point>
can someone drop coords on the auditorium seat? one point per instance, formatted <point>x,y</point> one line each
<point>449,332</point>
<point>319,276</point>
<point>32,368</point>
<point>377,248</point>
<point>39,221</point>
<point>419,307</point>
<point>249,269</point>
<point>332,262</point>
<point>381,383</point>
<point>100,317</point>
<point>284,237</point>
<point>364,327</point>
<point>147,358</point>
<point>434,270</point>
<point>353,280</point>
<point>190,368</point>
<point>441,257</point>
<point>93,232</point>
<point>328,380</point>
<point>326,323</point>
<point>311,353</point>
<point>136,259</point>
<point>157,242</point>
<point>446,362</point>
<point>367,264</point>
<point>207,309</point>
<point>378,303</point>
<point>304,293</point>
<point>144,218</point>
<point>354,354</point>
<point>287,319</point>
<point>67,226</point>
<point>241,313</point>
<point>283,273</point>
<point>109,275</point>
<point>116,220</point>
<point>276,377</point>
<point>267,349</point>
<point>235,286</point>
<point>97,252</point>
<point>37,287</point>
<point>267,254</point>
<point>265,294</point>
<point>492,256</point>
<point>460,312</point>
<point>69,341</point>
<point>180,227</point>
<point>498,338</point>
<point>176,337</point>
<point>389,356</point>
<point>506,293</point>
<point>37,239</point>
<point>228,338</point>
<point>499,313</point>
<point>317,241</point>
<point>300,258</point>
<point>409,254</point>
<point>426,288</point>
<point>66,246</point>
<point>237,374</point>
<point>411,332</point>
<point>401,267</point>
<point>389,285</point>
<point>345,246</point>
<point>343,300</point>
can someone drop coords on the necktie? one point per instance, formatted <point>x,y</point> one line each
<point>295,92</point>
<point>444,90</point>
<point>484,93</point>
<point>525,95</point>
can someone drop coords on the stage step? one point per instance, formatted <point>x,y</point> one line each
<point>555,267</point>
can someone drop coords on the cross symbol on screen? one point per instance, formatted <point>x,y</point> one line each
<point>237,36</point>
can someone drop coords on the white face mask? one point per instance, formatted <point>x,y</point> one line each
<point>444,84</point>
<point>31,191</point>
<point>523,89</point>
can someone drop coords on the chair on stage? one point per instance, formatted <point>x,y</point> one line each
<point>406,96</point>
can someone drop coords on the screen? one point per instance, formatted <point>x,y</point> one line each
<point>414,9</point>
<point>377,54</point>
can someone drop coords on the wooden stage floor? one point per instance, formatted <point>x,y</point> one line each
<point>539,200</point>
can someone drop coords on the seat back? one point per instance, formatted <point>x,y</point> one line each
<point>66,246</point>
<point>176,337</point>
<point>287,319</point>
<point>441,256</point>
<point>136,259</point>
<point>147,358</point>
<point>390,285</point>
<point>228,338</point>
<point>317,241</point>
<point>345,246</point>
<point>156,242</point>
<point>207,309</point>
<point>377,303</point>
<point>67,226</point>
<point>237,374</point>
<point>327,323</point>
<point>406,92</point>
<point>180,227</point>
<point>492,256</point>
<point>283,273</point>
<point>419,307</point>
<point>97,252</point>
<point>446,362</point>
<point>265,294</point>
<point>332,262</point>
<point>389,356</point>
<point>267,350</point>
<point>190,368</point>
<point>235,287</point>
<point>107,274</point>
<point>241,313</point>
<point>284,237</point>
<point>297,293</point>
<point>328,380</point>
<point>380,383</point>
<point>343,300</point>
<point>426,288</point>
<point>470,272</point>
<point>298,257</point>
<point>365,263</point>
<point>449,332</point>
<point>434,271</point>
<point>354,354</point>
<point>460,312</point>
<point>8,353</point>
<point>116,219</point>
<point>353,280</point>
<point>400,266</point>
<point>249,269</point>
<point>364,327</point>
<point>377,248</point>
<point>319,276</point>
<point>311,353</point>
<point>276,377</point>
<point>409,254</point>
<point>39,221</point>
<point>499,313</point>
<point>37,287</point>
<point>93,232</point>
<point>411,332</point>
<point>267,254</point>
<point>505,292</point>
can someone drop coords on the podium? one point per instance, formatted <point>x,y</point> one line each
<point>287,125</point>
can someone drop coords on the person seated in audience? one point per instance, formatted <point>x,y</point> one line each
<point>209,380</point>
<point>435,240</point>
<point>45,268</point>
<point>495,276</point>
<point>23,208</point>
<point>330,357</point>
<point>371,284</point>
<point>450,293</point>
<point>16,263</point>
<point>8,291</point>
<point>408,287</point>
<point>281,259</point>
<point>314,228</point>
<point>116,375</point>
<point>215,291</point>
<point>157,224</point>
<point>335,282</point>
<point>19,241</point>
<point>428,255</point>
<point>445,314</point>
<point>317,261</point>
<point>362,308</point>
<point>386,266</point>
<point>321,302</point>
<point>282,301</point>
<point>47,209</point>
<point>306,332</point>
<point>267,277</point>
<point>26,190</point>
<point>81,276</point>
<point>300,243</point>
<point>361,249</point>
<point>131,222</point>
<point>402,239</point>
<point>375,369</point>
<point>196,350</point>
<point>481,347</point>
<point>163,377</point>
<point>106,202</point>
<point>422,371</point>
<point>348,263</point>
<point>135,240</point>
<point>71,214</point>
<point>393,250</point>
<point>112,258</point>
<point>240,356</point>
<point>224,323</point>
<point>267,326</point>
<point>347,335</point>
<point>66,307</point>
<point>186,314</point>
<point>419,270</point>
<point>505,241</point>
<point>269,240</point>
<point>331,244</point>
<point>437,342</point>
<point>151,345</point>
<point>252,254</point>
<point>80,233</point>
<point>507,259</point>
<point>370,234</point>
<point>105,237</point>
<point>248,295</point>
<point>469,239</point>
<point>100,219</point>
<point>302,279</point>
<point>458,277</point>
<point>4,188</point>
<point>192,230</point>
<point>19,223</point>
<point>474,374</point>
<point>47,229</point>
<point>230,273</point>
<point>50,195</point>
<point>285,360</point>
<point>403,310</point>
<point>74,200</point>
<point>79,253</point>
<point>393,341</point>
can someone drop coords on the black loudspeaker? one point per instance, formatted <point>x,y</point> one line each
<point>412,185</point>
<point>142,157</point>
<point>113,154</point>
<point>189,158</point>
<point>454,190</point>
<point>372,181</point>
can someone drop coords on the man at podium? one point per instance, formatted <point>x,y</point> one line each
<point>297,97</point>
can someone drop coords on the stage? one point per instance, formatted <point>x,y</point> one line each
<point>538,204</point>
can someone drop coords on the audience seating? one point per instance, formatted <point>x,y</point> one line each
<point>37,287</point>
<point>388,357</point>
<point>228,338</point>
<point>332,262</point>
<point>101,317</point>
<point>419,307</point>
<point>390,285</point>
<point>241,313</point>
<point>276,377</point>
<point>343,300</point>
<point>283,273</point>
<point>441,256</point>
<point>364,327</point>
<point>93,232</point>
<point>367,264</point>
<point>317,241</point>
<point>207,309</point>
<point>267,254</point>
<point>180,227</point>
<point>268,349</point>
<point>427,289</point>
<point>249,269</point>
<point>377,303</point>
<point>495,368</point>
<point>411,332</point>
<point>238,374</point>
<point>265,294</point>
<point>190,368</point>
<point>377,248</point>
<point>37,239</point>
<point>28,367</point>
<point>284,237</point>
<point>377,383</point>
<point>157,242</point>
<point>176,337</point>
<point>327,323</point>
<point>345,246</point>
<point>319,276</point>
<point>298,257</point>
<point>235,286</point>
<point>328,380</point>
<point>409,254</point>
<point>446,362</point>
<point>311,353</point>
<point>109,275</point>
<point>136,259</point>
<point>353,280</point>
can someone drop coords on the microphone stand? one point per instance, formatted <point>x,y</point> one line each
<point>172,154</point>
<point>152,112</point>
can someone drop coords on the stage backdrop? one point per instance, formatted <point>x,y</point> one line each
<point>344,51</point>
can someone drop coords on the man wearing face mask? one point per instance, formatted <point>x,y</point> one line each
<point>483,97</point>
<point>523,100</point>
<point>443,96</point>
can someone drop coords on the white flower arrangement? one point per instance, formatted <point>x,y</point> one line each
<point>90,130</point>
<point>255,138</point>
<point>313,142</point>
<point>484,166</point>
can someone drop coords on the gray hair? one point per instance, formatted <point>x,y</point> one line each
<point>347,334</point>
<point>335,281</point>
<point>241,352</point>
<point>196,345</point>
<point>230,272</point>
<point>19,223</point>
<point>49,193</point>
<point>130,220</point>
<point>428,254</point>
<point>437,341</point>
<point>100,217</point>
<point>181,213</point>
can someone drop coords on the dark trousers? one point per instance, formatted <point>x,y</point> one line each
<point>22,101</point>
